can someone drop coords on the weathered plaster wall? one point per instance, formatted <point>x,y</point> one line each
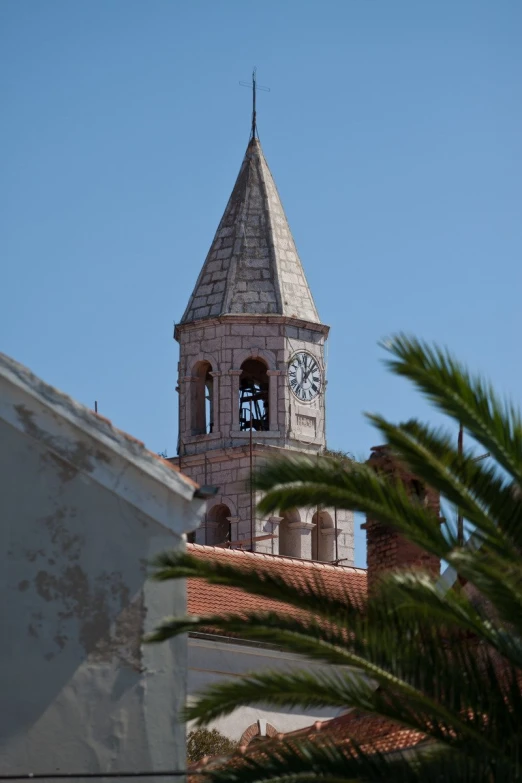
<point>83,509</point>
<point>78,688</point>
<point>213,661</point>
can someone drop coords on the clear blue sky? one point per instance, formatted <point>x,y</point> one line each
<point>393,130</point>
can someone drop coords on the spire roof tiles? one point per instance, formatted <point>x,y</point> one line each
<point>252,266</point>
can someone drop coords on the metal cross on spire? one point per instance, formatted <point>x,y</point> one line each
<point>254,86</point>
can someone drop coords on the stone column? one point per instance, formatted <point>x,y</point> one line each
<point>304,530</point>
<point>234,528</point>
<point>273,419</point>
<point>215,402</point>
<point>274,523</point>
<point>234,394</point>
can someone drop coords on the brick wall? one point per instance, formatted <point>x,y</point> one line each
<point>386,548</point>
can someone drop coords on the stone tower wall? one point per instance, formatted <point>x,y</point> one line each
<point>225,343</point>
<point>296,534</point>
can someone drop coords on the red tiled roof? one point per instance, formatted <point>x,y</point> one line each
<point>371,732</point>
<point>212,599</point>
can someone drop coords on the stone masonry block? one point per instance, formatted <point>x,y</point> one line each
<point>209,346</point>
<point>234,487</point>
<point>247,343</point>
<point>257,263</point>
<point>262,285</point>
<point>234,342</point>
<point>267,330</point>
<point>249,296</point>
<point>273,343</point>
<point>243,329</point>
<point>261,307</point>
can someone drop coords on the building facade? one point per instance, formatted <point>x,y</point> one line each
<point>252,376</point>
<point>84,509</point>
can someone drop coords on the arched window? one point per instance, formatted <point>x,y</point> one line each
<point>253,396</point>
<point>290,537</point>
<point>323,537</point>
<point>218,525</point>
<point>201,402</point>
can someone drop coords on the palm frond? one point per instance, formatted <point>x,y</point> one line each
<point>309,594</point>
<point>301,760</point>
<point>444,663</point>
<point>316,641</point>
<point>471,400</point>
<point>357,488</point>
<point>420,596</point>
<point>483,495</point>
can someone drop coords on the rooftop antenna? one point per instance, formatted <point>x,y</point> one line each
<point>254,86</point>
<point>460,451</point>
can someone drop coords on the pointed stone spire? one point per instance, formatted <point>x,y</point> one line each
<point>252,266</point>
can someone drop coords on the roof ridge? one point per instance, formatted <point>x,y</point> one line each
<point>275,558</point>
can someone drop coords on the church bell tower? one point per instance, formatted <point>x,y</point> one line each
<point>252,375</point>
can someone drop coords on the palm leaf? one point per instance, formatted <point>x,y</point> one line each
<point>471,400</point>
<point>446,664</point>
<point>309,594</point>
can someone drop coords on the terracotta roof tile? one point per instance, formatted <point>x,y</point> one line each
<point>212,599</point>
<point>371,732</point>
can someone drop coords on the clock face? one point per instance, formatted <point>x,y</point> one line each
<point>304,376</point>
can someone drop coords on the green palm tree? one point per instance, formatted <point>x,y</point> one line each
<point>445,662</point>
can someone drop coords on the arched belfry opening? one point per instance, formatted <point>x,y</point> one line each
<point>253,396</point>
<point>202,418</point>
<point>218,525</point>
<point>323,534</point>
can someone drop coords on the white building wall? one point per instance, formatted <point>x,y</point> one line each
<point>212,661</point>
<point>83,509</point>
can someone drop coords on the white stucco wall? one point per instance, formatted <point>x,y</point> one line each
<point>83,509</point>
<point>215,660</point>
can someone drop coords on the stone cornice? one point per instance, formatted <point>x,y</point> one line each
<point>245,318</point>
